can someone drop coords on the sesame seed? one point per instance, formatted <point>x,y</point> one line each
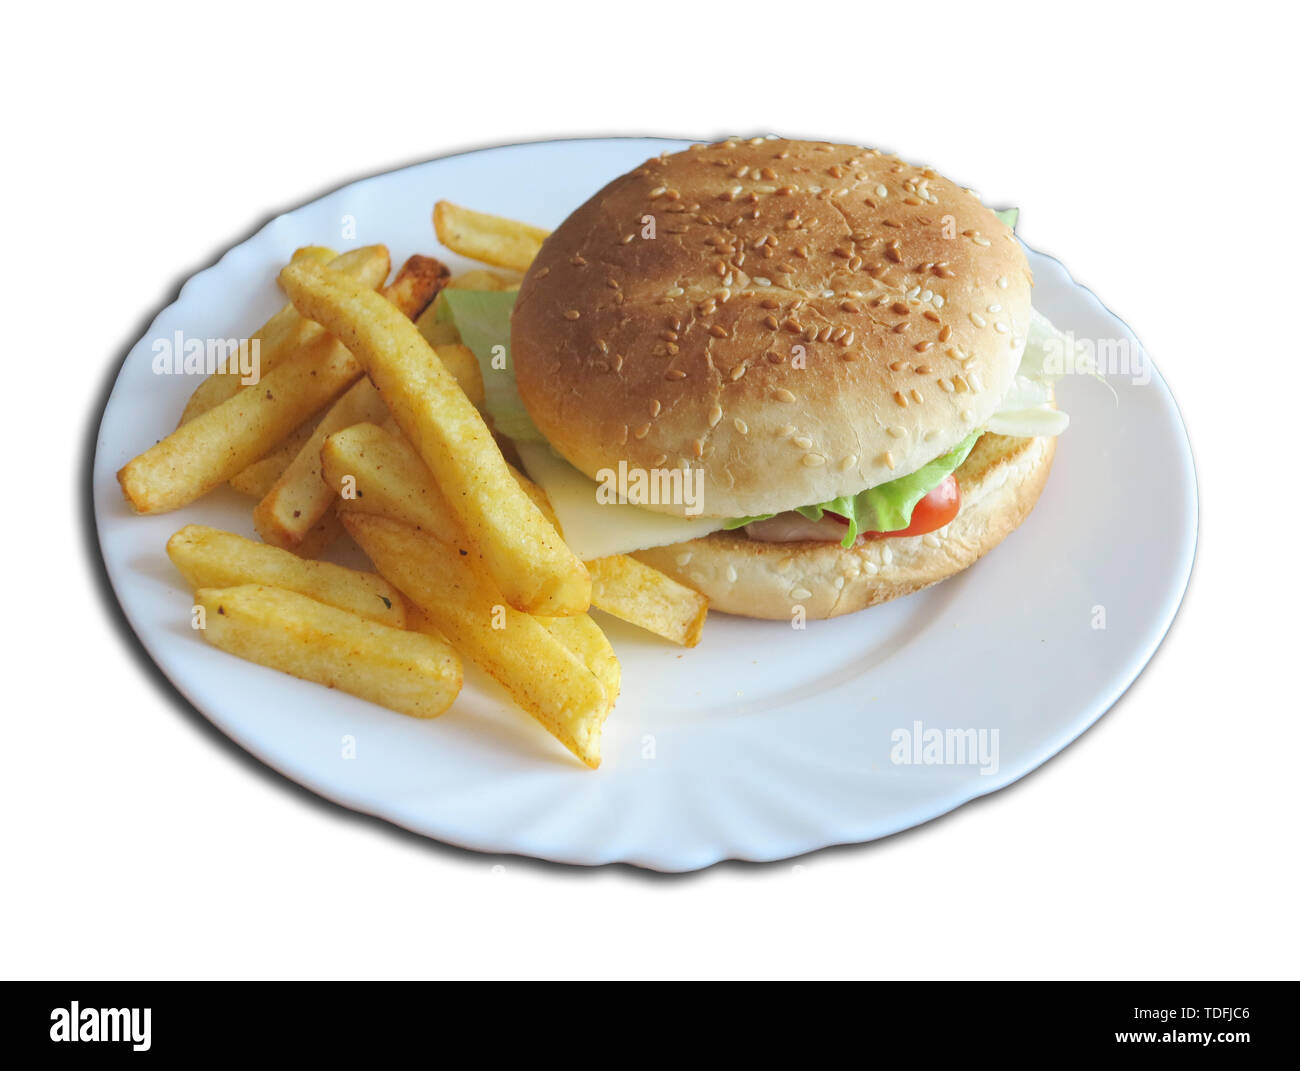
<point>782,395</point>
<point>572,314</point>
<point>801,593</point>
<point>715,414</point>
<point>896,431</point>
<point>888,458</point>
<point>740,426</point>
<point>847,462</point>
<point>1001,328</point>
<point>642,431</point>
<point>803,442</point>
<point>684,558</point>
<point>978,320</point>
<point>674,373</point>
<point>812,461</point>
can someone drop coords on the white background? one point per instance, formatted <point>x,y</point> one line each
<point>1153,153</point>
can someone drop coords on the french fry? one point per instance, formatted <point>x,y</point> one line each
<point>643,596</point>
<point>409,672</point>
<point>286,332</point>
<point>417,285</point>
<point>217,444</point>
<point>210,558</point>
<point>260,476</point>
<point>388,479</point>
<point>208,450</point>
<point>290,509</point>
<point>523,552</point>
<point>299,497</point>
<point>491,239</point>
<point>320,538</point>
<point>377,472</point>
<point>581,635</point>
<point>463,365</point>
<point>545,678</point>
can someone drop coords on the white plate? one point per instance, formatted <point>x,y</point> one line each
<point>762,743</point>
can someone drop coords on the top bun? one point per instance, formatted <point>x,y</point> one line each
<point>799,320</point>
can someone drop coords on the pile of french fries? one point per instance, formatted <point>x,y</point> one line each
<point>366,421</point>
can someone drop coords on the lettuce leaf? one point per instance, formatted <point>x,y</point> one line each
<point>888,507</point>
<point>1009,216</point>
<point>483,319</point>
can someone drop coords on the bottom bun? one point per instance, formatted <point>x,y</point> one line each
<point>1000,481</point>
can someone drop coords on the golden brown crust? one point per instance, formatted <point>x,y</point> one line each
<point>1000,481</point>
<point>905,300</point>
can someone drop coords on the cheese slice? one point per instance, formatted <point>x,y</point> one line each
<point>596,530</point>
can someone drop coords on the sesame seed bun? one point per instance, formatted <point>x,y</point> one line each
<point>1000,481</point>
<point>796,320</point>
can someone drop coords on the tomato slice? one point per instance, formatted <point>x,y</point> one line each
<point>933,511</point>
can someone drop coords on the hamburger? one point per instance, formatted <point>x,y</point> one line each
<point>789,374</point>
